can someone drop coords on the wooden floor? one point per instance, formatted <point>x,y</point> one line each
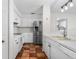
<point>31,51</point>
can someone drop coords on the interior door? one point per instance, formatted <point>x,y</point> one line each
<point>5,29</point>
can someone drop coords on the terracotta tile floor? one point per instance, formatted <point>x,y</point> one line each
<point>31,51</point>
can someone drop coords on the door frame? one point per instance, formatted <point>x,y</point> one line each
<point>3,6</point>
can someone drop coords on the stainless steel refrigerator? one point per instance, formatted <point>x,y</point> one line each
<point>37,32</point>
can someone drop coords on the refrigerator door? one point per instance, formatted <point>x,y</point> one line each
<point>37,32</point>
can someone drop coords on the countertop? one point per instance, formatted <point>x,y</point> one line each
<point>71,44</point>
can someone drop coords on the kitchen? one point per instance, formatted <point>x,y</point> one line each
<point>50,24</point>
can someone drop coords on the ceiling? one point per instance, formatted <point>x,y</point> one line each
<point>35,6</point>
<point>28,6</point>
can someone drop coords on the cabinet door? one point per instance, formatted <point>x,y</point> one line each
<point>56,53</point>
<point>44,43</point>
<point>21,44</point>
<point>46,47</point>
<point>68,51</point>
<point>16,46</point>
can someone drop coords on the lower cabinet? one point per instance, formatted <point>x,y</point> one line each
<point>55,51</point>
<point>46,47</point>
<point>17,44</point>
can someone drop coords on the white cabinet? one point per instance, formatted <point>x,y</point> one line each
<point>56,51</point>
<point>46,47</point>
<point>17,44</point>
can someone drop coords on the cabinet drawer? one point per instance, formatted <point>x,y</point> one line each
<point>58,54</point>
<point>69,53</point>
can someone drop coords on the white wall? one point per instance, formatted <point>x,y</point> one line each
<point>27,37</point>
<point>29,18</point>
<point>71,24</point>
<point>46,19</point>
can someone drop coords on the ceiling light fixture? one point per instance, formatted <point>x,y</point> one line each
<point>62,10</point>
<point>65,5</point>
<point>66,8</point>
<point>71,4</point>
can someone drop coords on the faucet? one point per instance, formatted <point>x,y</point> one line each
<point>64,30</point>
